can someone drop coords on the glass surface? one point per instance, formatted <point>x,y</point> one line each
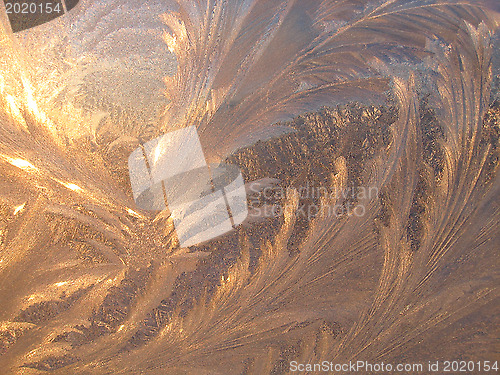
<point>250,187</point>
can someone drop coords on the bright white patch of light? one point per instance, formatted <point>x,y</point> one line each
<point>133,213</point>
<point>19,208</point>
<point>72,186</point>
<point>21,163</point>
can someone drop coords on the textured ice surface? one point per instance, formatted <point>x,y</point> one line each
<point>393,95</point>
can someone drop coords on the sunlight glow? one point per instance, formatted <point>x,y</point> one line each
<point>30,97</point>
<point>21,163</point>
<point>32,106</point>
<point>133,213</point>
<point>14,110</point>
<point>72,186</point>
<point>171,41</point>
<point>19,208</point>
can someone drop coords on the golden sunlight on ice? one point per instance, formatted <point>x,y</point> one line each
<point>14,109</point>
<point>134,213</point>
<point>19,208</point>
<point>171,42</point>
<point>71,186</point>
<point>21,163</point>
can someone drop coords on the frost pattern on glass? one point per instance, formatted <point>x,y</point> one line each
<point>171,171</point>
